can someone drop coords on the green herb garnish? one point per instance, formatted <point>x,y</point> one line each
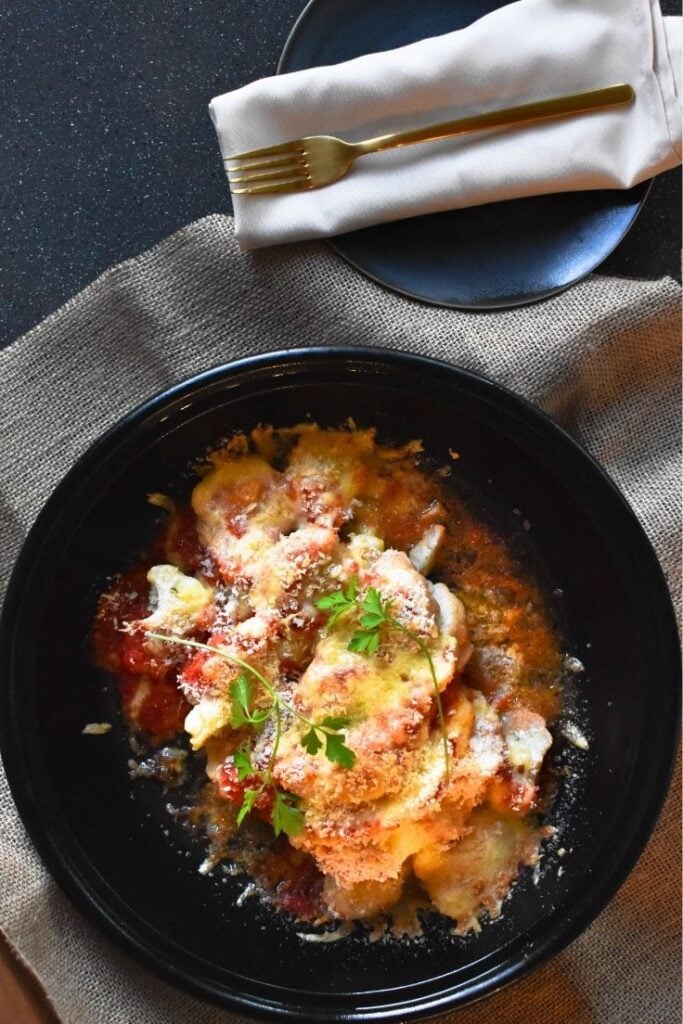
<point>373,614</point>
<point>327,735</point>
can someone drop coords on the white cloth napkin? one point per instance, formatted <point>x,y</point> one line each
<point>522,52</point>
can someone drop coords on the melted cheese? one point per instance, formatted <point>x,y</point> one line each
<point>479,868</point>
<point>241,510</point>
<point>276,538</point>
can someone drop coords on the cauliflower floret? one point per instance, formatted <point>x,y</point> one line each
<point>209,673</point>
<point>206,719</point>
<point>362,550</point>
<point>363,899</point>
<point>413,603</point>
<point>423,555</point>
<point>527,741</point>
<point>178,600</point>
<point>452,621</point>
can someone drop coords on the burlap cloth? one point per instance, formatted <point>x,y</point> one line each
<point>603,359</point>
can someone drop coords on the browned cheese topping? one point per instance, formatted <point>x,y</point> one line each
<point>446,718</point>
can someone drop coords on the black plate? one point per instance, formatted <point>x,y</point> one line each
<point>103,837</point>
<point>485,257</point>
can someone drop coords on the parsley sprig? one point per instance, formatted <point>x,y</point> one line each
<point>286,816</point>
<point>327,735</point>
<point>372,612</point>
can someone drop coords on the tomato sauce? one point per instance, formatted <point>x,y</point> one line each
<point>148,689</point>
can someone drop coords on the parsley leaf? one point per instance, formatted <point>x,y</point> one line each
<point>339,602</point>
<point>337,751</point>
<point>375,610</point>
<point>335,600</point>
<point>242,762</point>
<point>371,620</point>
<point>241,692</point>
<point>327,732</point>
<point>364,642</point>
<point>311,741</point>
<point>287,817</point>
<point>335,722</point>
<point>372,602</point>
<point>250,796</point>
<point>240,698</point>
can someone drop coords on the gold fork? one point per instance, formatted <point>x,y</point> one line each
<point>321,159</point>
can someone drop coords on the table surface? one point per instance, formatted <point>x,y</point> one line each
<point>22,1001</point>
<point>108,146</point>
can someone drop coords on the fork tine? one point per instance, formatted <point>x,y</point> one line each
<point>299,184</point>
<point>279,174</point>
<point>256,165</point>
<point>282,147</point>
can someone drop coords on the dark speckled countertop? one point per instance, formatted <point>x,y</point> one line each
<point>108,146</point>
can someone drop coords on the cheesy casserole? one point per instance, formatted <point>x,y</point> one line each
<point>422,792</point>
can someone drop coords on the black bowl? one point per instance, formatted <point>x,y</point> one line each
<point>105,839</point>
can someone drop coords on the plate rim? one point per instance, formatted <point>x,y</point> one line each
<point>72,881</point>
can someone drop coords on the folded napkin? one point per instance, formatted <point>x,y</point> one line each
<point>522,52</point>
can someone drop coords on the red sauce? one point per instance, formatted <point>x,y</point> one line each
<point>126,601</point>
<point>150,698</point>
<point>181,543</point>
<point>160,712</point>
<point>504,608</point>
<point>399,506</point>
<point>299,894</point>
<point>292,878</point>
<point>233,789</point>
<point>193,670</point>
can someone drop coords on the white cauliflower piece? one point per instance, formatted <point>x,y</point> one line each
<point>423,555</point>
<point>177,600</point>
<point>527,741</point>
<point>205,720</point>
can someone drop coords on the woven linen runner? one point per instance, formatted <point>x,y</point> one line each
<point>602,358</point>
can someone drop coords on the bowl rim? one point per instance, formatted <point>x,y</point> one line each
<point>81,889</point>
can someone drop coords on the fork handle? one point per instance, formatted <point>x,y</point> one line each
<point>542,110</point>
